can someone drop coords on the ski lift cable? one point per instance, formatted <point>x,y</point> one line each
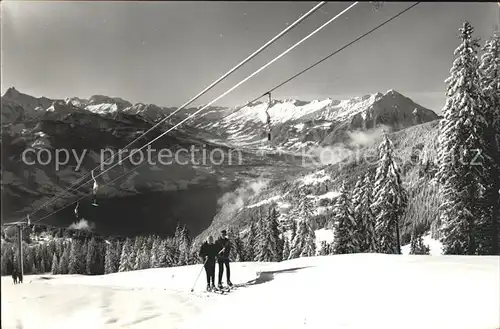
<point>235,86</point>
<point>258,51</point>
<point>322,60</point>
<point>274,88</point>
<point>229,90</point>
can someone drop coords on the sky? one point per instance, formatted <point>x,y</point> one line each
<point>167,52</point>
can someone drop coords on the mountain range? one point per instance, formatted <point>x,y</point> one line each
<point>202,196</point>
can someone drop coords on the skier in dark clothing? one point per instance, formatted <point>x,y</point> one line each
<point>14,275</point>
<point>208,252</point>
<point>223,258</point>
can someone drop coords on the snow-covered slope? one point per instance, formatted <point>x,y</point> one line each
<point>301,124</point>
<point>344,291</point>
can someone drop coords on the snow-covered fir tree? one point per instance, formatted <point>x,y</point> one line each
<point>117,251</point>
<point>94,256</point>
<point>390,200</point>
<point>126,263</point>
<point>359,229</point>
<point>363,214</point>
<point>305,208</point>
<point>182,245</point>
<point>309,247</point>
<point>461,151</point>
<point>76,258</point>
<point>344,224</point>
<point>142,260</point>
<point>417,246</point>
<point>155,252</point>
<point>162,254</point>
<point>39,255</point>
<point>85,247</point>
<point>110,258</point>
<point>237,246</point>
<point>303,244</point>
<point>139,241</point>
<point>64,260</point>
<point>171,252</point>
<point>293,230</point>
<point>269,246</point>
<point>325,248</point>
<point>286,247</point>
<point>55,263</point>
<point>251,241</point>
<point>489,225</point>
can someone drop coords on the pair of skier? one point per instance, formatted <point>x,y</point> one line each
<point>218,251</point>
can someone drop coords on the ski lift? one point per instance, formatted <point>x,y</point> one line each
<point>76,209</point>
<point>94,191</point>
<point>268,117</point>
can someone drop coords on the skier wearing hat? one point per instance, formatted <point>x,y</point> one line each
<point>223,258</point>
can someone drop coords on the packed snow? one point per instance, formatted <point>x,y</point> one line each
<point>102,108</point>
<point>291,109</point>
<point>342,291</point>
<point>321,235</point>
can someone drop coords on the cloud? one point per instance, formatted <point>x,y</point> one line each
<point>83,225</point>
<point>366,138</point>
<point>234,201</point>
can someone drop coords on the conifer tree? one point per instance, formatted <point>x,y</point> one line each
<point>489,224</point>
<point>76,258</point>
<point>305,208</point>
<point>286,248</point>
<point>276,242</point>
<point>117,252</point>
<point>363,215</point>
<point>142,260</point>
<point>263,252</point>
<point>237,247</point>
<point>155,253</point>
<point>162,253</point>
<point>303,244</point>
<point>65,258</point>
<point>251,242</point>
<point>461,151</point>
<point>344,224</point>
<point>83,257</point>
<point>293,229</point>
<point>417,246</point>
<point>139,241</point>
<point>55,263</point>
<point>359,228</point>
<point>390,200</point>
<point>109,258</point>
<point>309,248</point>
<point>325,248</point>
<point>126,263</point>
<point>181,245</point>
<point>368,216</point>
<point>269,246</point>
<point>172,252</point>
<point>93,257</point>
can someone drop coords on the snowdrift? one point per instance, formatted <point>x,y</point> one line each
<point>342,291</point>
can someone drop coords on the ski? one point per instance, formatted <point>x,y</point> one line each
<point>218,291</point>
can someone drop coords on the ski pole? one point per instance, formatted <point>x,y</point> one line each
<point>201,270</point>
